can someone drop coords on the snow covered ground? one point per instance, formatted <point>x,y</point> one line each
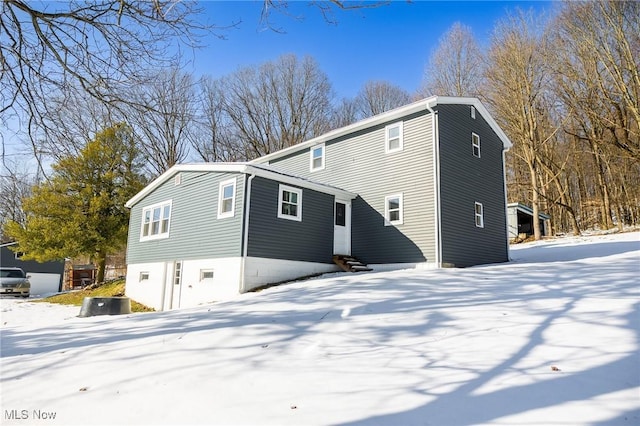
<point>552,337</point>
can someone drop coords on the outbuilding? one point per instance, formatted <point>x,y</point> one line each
<point>45,277</point>
<point>521,221</point>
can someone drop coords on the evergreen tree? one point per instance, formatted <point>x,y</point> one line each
<point>80,210</point>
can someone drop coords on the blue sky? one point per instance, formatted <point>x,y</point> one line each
<point>391,43</point>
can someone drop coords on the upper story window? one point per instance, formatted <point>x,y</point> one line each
<point>473,112</point>
<point>155,221</point>
<point>479,215</point>
<point>317,158</point>
<point>393,206</point>
<point>227,198</point>
<point>393,137</point>
<point>475,143</point>
<point>289,203</point>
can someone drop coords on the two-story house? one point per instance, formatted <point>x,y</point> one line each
<point>419,186</point>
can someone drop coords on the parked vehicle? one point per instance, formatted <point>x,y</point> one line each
<point>14,282</point>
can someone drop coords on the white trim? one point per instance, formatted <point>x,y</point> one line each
<point>312,158</point>
<point>245,168</point>
<point>478,215</point>
<point>400,137</point>
<point>474,137</point>
<point>392,115</point>
<point>298,203</point>
<point>245,236</point>
<point>160,235</point>
<point>177,180</point>
<point>473,112</point>
<point>223,184</point>
<point>387,219</point>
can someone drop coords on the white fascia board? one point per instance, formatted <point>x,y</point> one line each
<point>391,115</point>
<point>506,142</point>
<point>196,167</point>
<point>296,181</point>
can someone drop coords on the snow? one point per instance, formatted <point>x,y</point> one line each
<point>552,337</point>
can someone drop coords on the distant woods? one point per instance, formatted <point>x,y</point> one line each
<point>565,88</point>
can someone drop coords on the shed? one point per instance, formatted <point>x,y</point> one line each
<point>45,277</point>
<point>521,221</point>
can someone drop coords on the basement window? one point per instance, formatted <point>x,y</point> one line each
<point>206,274</point>
<point>144,276</point>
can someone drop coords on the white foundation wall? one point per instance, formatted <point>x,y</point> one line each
<point>160,292</point>
<point>260,271</point>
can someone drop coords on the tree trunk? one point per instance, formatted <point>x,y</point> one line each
<point>101,261</point>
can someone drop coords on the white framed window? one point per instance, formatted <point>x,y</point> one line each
<point>156,221</point>
<point>144,275</point>
<point>206,274</point>
<point>227,198</point>
<point>473,112</point>
<point>393,139</point>
<point>316,158</point>
<point>393,210</point>
<point>475,144</point>
<point>479,211</point>
<point>289,203</point>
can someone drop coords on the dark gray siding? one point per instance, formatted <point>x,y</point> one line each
<point>310,240</point>
<point>8,258</point>
<point>195,232</point>
<point>358,163</point>
<point>466,179</point>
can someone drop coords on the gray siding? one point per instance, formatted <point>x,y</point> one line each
<point>358,163</point>
<point>195,232</point>
<point>310,240</point>
<point>466,179</point>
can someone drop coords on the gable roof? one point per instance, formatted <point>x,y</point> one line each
<point>394,114</point>
<point>245,168</point>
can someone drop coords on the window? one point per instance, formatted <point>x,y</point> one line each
<point>479,215</point>
<point>341,214</point>
<point>393,210</point>
<point>317,158</point>
<point>393,137</point>
<point>144,276</point>
<point>290,203</point>
<point>473,112</point>
<point>475,142</point>
<point>206,274</point>
<point>155,221</point>
<point>227,198</point>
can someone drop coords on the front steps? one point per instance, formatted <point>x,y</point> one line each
<point>350,263</point>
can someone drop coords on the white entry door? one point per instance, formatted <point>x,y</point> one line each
<point>176,285</point>
<point>342,227</point>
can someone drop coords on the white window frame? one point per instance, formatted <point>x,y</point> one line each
<point>144,276</point>
<point>221,198</point>
<point>387,139</point>
<point>475,144</point>
<point>160,235</point>
<point>473,112</point>
<point>479,216</point>
<point>298,191</point>
<point>387,210</point>
<point>312,157</point>
<point>206,271</point>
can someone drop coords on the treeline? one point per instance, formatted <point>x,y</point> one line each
<point>564,88</point>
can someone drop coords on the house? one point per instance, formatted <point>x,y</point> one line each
<point>419,186</point>
<point>520,218</point>
<point>45,277</point>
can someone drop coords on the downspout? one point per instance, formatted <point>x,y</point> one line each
<point>245,230</point>
<point>436,180</point>
<point>506,209</point>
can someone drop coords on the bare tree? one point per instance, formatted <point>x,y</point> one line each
<point>377,97</point>
<point>455,68</point>
<point>278,104</point>
<point>345,113</point>
<point>516,87</point>
<point>99,47</point>
<point>165,119</point>
<point>15,186</point>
